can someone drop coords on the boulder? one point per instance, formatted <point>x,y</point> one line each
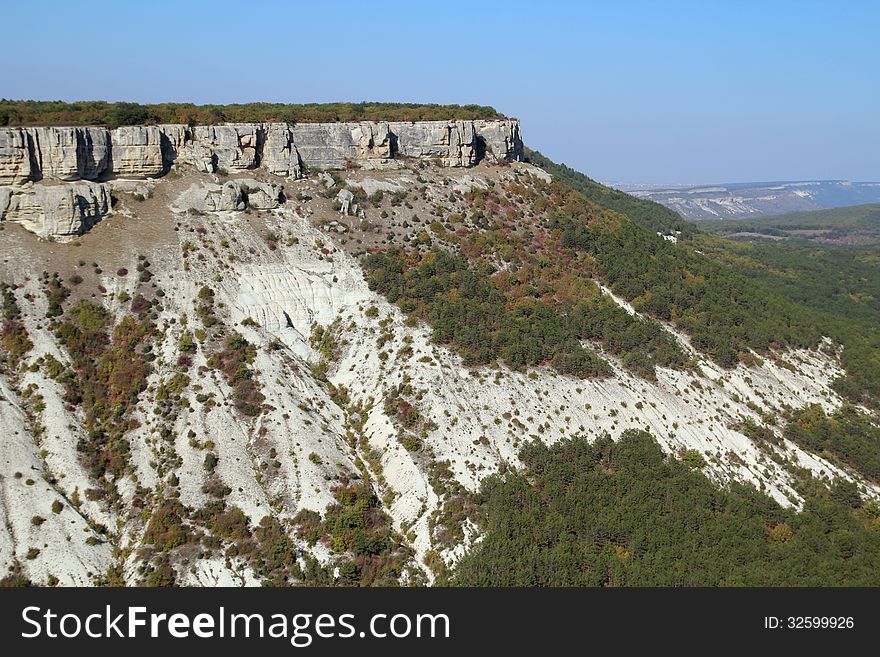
<point>57,211</point>
<point>464,184</point>
<point>210,197</point>
<point>140,188</point>
<point>261,195</point>
<point>373,185</point>
<point>326,179</point>
<point>346,199</point>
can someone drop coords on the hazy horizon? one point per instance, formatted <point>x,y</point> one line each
<point>633,94</point>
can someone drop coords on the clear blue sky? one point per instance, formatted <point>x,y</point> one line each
<point>624,91</point>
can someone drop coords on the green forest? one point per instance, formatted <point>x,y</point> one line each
<point>838,290</point>
<point>624,514</point>
<point>466,309</point>
<point>39,112</point>
<point>732,296</point>
<point>725,313</point>
<point>854,225</point>
<point>847,437</point>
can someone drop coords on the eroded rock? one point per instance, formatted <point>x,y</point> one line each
<point>56,211</point>
<point>261,195</point>
<point>137,151</point>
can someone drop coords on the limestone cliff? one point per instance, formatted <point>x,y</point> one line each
<point>68,154</point>
<point>77,153</point>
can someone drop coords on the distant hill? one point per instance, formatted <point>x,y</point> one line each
<point>645,212</point>
<point>857,225</point>
<point>742,200</point>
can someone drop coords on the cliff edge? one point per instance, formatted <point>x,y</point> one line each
<point>53,177</point>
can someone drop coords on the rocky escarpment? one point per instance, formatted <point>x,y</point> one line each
<point>71,154</point>
<point>75,153</point>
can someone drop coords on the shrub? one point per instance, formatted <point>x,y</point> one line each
<point>211,461</point>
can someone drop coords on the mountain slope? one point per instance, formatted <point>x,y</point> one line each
<point>313,393</point>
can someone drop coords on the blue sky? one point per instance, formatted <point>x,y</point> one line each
<point>624,91</point>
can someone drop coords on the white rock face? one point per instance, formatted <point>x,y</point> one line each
<point>451,142</point>
<point>331,145</point>
<point>56,211</point>
<point>70,153</point>
<point>280,156</point>
<point>502,139</point>
<point>93,153</point>
<point>233,146</point>
<point>15,157</point>
<point>137,151</point>
<point>26,511</point>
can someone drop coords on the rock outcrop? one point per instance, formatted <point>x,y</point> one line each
<point>91,153</point>
<point>69,154</point>
<point>261,195</point>
<point>451,142</point>
<point>235,146</point>
<point>346,201</point>
<point>332,145</point>
<point>501,139</point>
<point>231,196</point>
<point>137,152</point>
<point>16,162</point>
<point>280,156</point>
<point>209,197</point>
<point>56,211</point>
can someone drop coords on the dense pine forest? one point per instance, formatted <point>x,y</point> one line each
<point>620,513</point>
